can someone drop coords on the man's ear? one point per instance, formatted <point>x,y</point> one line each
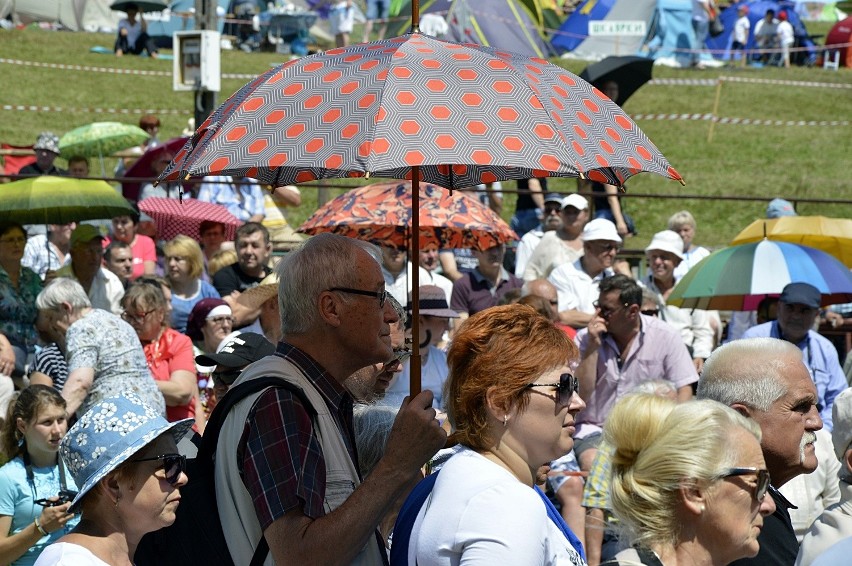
<point>693,496</point>
<point>744,410</point>
<point>329,308</point>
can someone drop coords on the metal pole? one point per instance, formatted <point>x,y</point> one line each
<point>205,19</point>
<point>414,374</point>
<point>715,114</point>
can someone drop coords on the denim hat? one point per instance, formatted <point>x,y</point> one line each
<point>779,207</point>
<point>110,433</point>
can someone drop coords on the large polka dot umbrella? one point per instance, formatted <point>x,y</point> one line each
<point>417,108</point>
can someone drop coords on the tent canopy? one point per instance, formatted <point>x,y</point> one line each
<point>505,24</point>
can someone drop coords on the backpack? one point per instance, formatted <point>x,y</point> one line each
<point>196,536</point>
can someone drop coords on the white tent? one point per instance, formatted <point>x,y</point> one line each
<point>75,15</point>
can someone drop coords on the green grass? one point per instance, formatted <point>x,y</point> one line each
<point>759,161</point>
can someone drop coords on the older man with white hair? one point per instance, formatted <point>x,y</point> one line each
<point>766,380</point>
<point>835,523</point>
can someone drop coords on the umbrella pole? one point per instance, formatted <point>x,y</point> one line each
<point>414,367</point>
<point>415,28</point>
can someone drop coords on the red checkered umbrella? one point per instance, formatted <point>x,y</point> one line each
<point>414,107</point>
<point>173,216</point>
<point>382,213</point>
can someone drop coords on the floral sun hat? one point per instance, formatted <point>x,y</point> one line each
<point>110,433</point>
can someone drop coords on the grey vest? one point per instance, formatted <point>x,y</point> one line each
<point>236,509</point>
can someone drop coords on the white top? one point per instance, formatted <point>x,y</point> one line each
<point>400,286</point>
<point>550,254</point>
<point>692,257</point>
<point>741,28</point>
<point>693,325</point>
<point>785,33</point>
<point>432,377</point>
<point>526,247</point>
<point>68,554</point>
<point>576,290</point>
<point>106,290</point>
<point>479,513</point>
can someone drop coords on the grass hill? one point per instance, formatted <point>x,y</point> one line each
<point>760,160</point>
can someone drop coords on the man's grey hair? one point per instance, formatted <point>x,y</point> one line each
<point>320,263</point>
<point>62,290</point>
<point>748,371</point>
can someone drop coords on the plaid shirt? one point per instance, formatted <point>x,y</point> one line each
<point>596,492</point>
<point>280,457</point>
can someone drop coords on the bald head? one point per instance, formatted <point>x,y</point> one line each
<point>544,289</point>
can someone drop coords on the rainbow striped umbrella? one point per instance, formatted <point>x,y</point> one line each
<point>738,277</point>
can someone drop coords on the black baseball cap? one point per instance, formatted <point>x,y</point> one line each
<point>239,351</point>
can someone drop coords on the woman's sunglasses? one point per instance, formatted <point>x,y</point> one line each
<point>763,479</point>
<point>567,386</point>
<point>173,465</point>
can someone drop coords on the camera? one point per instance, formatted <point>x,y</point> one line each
<point>65,495</point>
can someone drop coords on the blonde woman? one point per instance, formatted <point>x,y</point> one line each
<point>184,267</point>
<point>689,482</point>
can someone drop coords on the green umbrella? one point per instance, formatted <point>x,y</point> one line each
<point>99,139</point>
<point>60,200</point>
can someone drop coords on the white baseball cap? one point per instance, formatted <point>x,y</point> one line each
<point>577,201</point>
<point>600,229</point>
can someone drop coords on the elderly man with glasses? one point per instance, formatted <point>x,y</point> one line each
<point>286,467</point>
<point>620,349</point>
<point>577,282</point>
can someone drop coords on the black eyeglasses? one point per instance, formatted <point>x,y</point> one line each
<point>650,312</point>
<point>763,479</point>
<point>380,295</point>
<point>226,377</point>
<point>607,312</point>
<point>567,386</point>
<point>173,465</point>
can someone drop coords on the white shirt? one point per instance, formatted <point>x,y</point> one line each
<point>741,28</point>
<point>400,286</point>
<point>551,252</point>
<point>68,554</point>
<point>575,289</point>
<point>691,258</point>
<point>785,33</point>
<point>693,325</point>
<point>479,513</point>
<point>526,247</point>
<point>106,290</point>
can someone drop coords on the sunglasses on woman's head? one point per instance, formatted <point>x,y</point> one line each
<point>173,466</point>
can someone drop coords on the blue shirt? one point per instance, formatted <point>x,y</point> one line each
<point>820,357</point>
<point>182,307</point>
<point>242,197</point>
<point>17,500</point>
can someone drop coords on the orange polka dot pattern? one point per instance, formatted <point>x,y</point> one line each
<point>381,213</point>
<point>466,114</point>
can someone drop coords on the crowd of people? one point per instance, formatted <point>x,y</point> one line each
<point>557,421</point>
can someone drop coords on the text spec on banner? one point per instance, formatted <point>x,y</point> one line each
<point>612,27</point>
